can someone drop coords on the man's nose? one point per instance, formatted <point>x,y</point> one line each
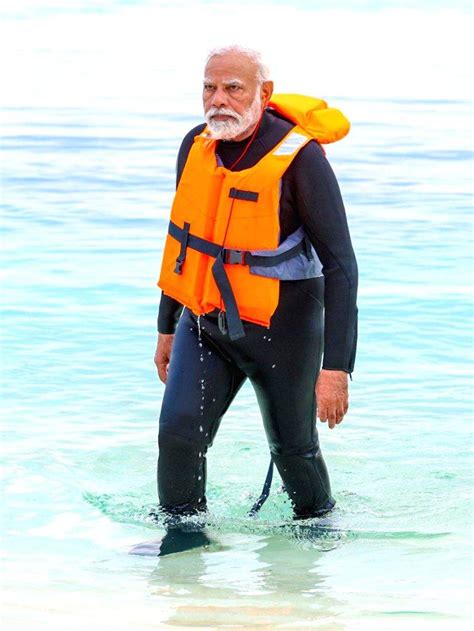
<point>219,98</point>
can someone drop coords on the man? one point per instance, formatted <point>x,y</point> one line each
<point>265,322</point>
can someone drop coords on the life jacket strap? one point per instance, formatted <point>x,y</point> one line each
<point>184,244</point>
<point>226,256</point>
<point>243,257</point>
<point>248,196</point>
<point>230,256</point>
<point>234,323</point>
<point>196,243</point>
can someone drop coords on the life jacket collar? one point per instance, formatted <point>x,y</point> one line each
<point>325,124</point>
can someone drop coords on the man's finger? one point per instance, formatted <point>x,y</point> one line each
<point>332,420</point>
<point>341,413</point>
<point>323,414</point>
<point>162,372</point>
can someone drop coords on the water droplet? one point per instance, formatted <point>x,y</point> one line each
<point>200,453</point>
<point>269,339</point>
<point>209,352</point>
<point>201,428</point>
<point>199,477</point>
<point>202,407</point>
<point>214,399</point>
<point>264,337</point>
<point>273,365</point>
<point>207,433</point>
<point>201,359</point>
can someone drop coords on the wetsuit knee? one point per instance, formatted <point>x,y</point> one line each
<point>181,474</point>
<point>306,481</point>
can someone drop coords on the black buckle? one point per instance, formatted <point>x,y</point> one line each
<point>222,322</point>
<point>234,257</point>
<point>184,244</point>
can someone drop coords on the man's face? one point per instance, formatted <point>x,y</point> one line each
<point>233,96</point>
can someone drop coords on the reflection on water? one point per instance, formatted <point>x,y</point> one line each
<point>261,571</point>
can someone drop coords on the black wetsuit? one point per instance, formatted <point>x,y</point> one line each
<point>282,362</point>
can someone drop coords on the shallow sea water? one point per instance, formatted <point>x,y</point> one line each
<point>86,188</point>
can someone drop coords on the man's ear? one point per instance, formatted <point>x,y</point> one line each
<point>266,91</point>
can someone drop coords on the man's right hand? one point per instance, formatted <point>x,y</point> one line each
<point>163,354</point>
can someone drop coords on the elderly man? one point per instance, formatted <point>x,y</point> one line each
<point>259,254</point>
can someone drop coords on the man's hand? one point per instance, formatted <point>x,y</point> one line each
<point>332,396</point>
<point>163,354</point>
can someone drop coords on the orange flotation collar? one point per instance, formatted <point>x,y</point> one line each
<point>325,124</point>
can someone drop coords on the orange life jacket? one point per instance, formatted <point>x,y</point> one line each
<point>222,249</point>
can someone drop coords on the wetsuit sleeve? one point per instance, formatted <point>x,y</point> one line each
<point>170,309</point>
<point>319,204</point>
<point>169,313</point>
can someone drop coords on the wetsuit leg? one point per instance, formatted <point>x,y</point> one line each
<point>283,363</point>
<point>289,413</point>
<point>201,384</point>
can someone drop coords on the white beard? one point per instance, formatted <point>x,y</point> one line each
<point>237,125</point>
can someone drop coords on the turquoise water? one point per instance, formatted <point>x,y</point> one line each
<point>87,178</point>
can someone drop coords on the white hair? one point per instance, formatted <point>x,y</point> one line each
<point>263,73</point>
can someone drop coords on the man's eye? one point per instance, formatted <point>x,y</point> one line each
<point>234,88</point>
<point>208,88</point>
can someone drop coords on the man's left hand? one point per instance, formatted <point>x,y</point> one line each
<point>332,396</point>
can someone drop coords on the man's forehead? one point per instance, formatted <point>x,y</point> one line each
<point>231,67</point>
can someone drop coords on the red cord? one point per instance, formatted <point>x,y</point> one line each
<point>247,146</point>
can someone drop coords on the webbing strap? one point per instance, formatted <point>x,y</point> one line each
<point>265,492</point>
<point>274,259</point>
<point>248,196</point>
<point>229,257</point>
<point>184,244</point>
<point>235,327</point>
<point>234,323</point>
<point>232,256</point>
<point>196,243</point>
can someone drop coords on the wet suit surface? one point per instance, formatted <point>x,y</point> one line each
<point>282,362</point>
<point>207,370</point>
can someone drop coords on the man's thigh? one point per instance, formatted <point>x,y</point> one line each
<point>286,366</point>
<point>201,384</point>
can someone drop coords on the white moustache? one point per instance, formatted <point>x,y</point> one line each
<point>222,111</point>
